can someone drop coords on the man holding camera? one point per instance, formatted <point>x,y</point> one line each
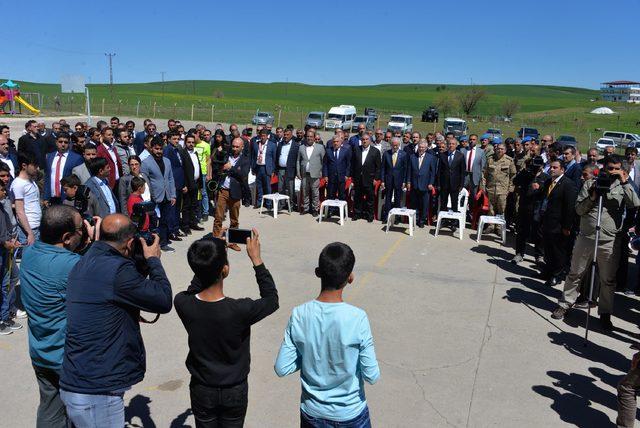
<point>615,189</point>
<point>230,191</point>
<point>104,353</point>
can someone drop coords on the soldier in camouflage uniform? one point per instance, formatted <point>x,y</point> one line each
<point>498,180</point>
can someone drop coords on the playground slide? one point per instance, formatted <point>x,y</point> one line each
<point>28,106</point>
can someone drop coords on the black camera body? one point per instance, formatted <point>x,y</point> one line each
<point>603,183</point>
<point>138,216</point>
<point>535,164</point>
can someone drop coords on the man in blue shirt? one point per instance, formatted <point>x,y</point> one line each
<point>43,280</point>
<point>330,342</point>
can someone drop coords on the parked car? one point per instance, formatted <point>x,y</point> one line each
<point>430,115</point>
<point>602,143</point>
<point>368,121</point>
<point>315,119</point>
<point>567,140</point>
<point>528,132</point>
<point>455,125</point>
<point>400,122</point>
<point>340,117</point>
<point>494,132</point>
<point>263,118</point>
<point>369,111</point>
<point>623,138</point>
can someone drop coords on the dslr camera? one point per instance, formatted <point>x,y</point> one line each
<point>534,165</point>
<point>138,216</point>
<point>603,182</point>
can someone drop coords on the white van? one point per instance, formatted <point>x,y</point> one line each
<point>623,138</point>
<point>340,117</point>
<point>455,125</point>
<point>400,122</point>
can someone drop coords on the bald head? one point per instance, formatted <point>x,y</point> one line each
<point>117,229</point>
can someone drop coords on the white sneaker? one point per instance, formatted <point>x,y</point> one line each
<point>21,314</point>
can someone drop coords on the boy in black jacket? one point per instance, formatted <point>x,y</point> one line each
<point>219,330</point>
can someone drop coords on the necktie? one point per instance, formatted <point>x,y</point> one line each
<point>57,177</point>
<point>469,161</point>
<point>553,184</point>
<point>260,153</point>
<point>420,161</point>
<point>335,153</point>
<point>394,158</point>
<point>450,158</point>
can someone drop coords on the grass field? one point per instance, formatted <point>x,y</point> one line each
<point>552,109</point>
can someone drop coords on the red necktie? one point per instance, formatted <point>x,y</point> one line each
<point>57,179</point>
<point>469,161</point>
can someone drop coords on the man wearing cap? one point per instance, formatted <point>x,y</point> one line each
<point>498,179</point>
<point>485,141</point>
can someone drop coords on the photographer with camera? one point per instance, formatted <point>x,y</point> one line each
<point>43,280</point>
<point>104,352</point>
<point>603,199</point>
<point>230,189</point>
<point>529,184</point>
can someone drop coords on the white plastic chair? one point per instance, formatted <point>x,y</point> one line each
<point>490,219</point>
<point>460,216</point>
<point>275,198</point>
<point>341,205</point>
<point>404,212</point>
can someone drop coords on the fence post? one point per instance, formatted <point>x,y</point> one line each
<point>138,109</point>
<point>192,106</point>
<point>175,108</point>
<point>279,113</point>
<point>119,105</point>
<point>212,107</point>
<point>103,106</point>
<point>154,109</point>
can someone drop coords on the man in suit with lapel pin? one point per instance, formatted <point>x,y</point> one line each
<point>365,167</point>
<point>423,167</point>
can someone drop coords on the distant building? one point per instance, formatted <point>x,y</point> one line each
<point>621,91</point>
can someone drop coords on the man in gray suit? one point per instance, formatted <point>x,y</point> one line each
<point>309,170</point>
<point>158,169</point>
<point>475,162</point>
<point>631,153</point>
<point>102,201</point>
<point>82,171</point>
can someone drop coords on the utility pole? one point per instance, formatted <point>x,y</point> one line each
<point>110,55</point>
<point>162,73</point>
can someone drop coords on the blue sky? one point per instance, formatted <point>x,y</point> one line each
<point>560,42</point>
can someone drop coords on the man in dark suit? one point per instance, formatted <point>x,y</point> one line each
<point>102,201</point>
<point>33,142</point>
<point>451,172</point>
<point>421,180</point>
<point>193,182</point>
<point>173,152</point>
<point>286,159</point>
<point>59,164</point>
<point>149,129</point>
<point>365,167</point>
<point>230,193</point>
<point>337,168</point>
<point>573,169</point>
<point>263,163</point>
<point>557,213</point>
<point>107,150</point>
<point>394,170</point>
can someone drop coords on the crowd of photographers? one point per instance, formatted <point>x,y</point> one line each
<point>62,190</point>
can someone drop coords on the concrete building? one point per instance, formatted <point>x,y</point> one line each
<point>621,91</point>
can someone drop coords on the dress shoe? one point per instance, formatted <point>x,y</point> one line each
<point>181,233</point>
<point>552,282</point>
<point>517,259</point>
<point>370,220</point>
<point>420,225</point>
<point>559,313</point>
<point>186,232</point>
<point>234,247</point>
<point>196,227</point>
<point>167,248</point>
<point>174,237</point>
<point>605,322</point>
<point>205,218</point>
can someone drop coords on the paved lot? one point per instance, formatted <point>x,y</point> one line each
<point>463,337</point>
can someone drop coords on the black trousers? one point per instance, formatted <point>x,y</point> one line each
<point>445,193</point>
<point>335,188</point>
<point>555,253</point>
<point>189,209</point>
<point>527,231</point>
<point>51,410</point>
<point>421,204</point>
<point>389,192</point>
<point>363,195</point>
<point>219,407</point>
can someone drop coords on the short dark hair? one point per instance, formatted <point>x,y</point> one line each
<point>562,164</point>
<point>136,157</point>
<point>116,118</point>
<point>26,157</point>
<point>570,148</point>
<point>2,127</point>
<point>119,236</point>
<point>56,221</point>
<point>449,134</point>
<point>96,164</point>
<point>206,258</point>
<point>156,141</point>
<point>29,123</point>
<point>627,151</point>
<point>4,167</point>
<point>264,131</point>
<point>614,158</point>
<point>105,129</point>
<point>63,135</point>
<point>335,264</point>
<point>136,183</point>
<point>70,181</point>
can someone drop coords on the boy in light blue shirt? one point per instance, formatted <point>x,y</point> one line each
<point>330,342</point>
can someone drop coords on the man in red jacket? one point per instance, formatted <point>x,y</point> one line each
<point>107,150</point>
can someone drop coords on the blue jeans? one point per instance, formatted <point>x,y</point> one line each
<point>205,196</point>
<point>22,237</point>
<point>360,421</point>
<point>94,411</point>
<point>263,185</point>
<point>9,283</point>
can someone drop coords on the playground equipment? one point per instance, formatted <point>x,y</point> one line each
<point>9,94</point>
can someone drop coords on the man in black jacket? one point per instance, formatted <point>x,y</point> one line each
<point>33,142</point>
<point>451,170</point>
<point>286,159</point>
<point>219,363</point>
<point>230,189</point>
<point>193,182</point>
<point>557,212</point>
<point>104,353</point>
<point>365,169</point>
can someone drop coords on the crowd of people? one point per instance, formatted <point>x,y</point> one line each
<point>70,210</point>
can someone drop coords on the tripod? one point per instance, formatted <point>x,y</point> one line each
<point>593,269</point>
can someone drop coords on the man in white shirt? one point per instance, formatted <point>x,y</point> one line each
<point>26,198</point>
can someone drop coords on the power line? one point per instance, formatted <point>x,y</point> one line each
<point>110,55</point>
<point>163,73</point>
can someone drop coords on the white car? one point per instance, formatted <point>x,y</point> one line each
<point>603,143</point>
<point>400,122</point>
